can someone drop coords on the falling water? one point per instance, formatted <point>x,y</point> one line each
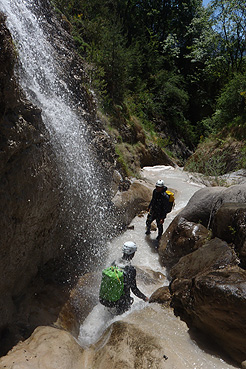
<point>83,181</point>
<point>39,70</point>
<point>182,349</point>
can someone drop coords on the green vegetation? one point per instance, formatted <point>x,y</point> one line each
<point>171,66</point>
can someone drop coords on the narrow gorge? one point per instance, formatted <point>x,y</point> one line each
<point>67,209</point>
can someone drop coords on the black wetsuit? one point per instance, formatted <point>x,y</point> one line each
<point>158,209</point>
<point>125,302</point>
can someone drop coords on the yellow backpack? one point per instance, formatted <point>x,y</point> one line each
<point>171,201</point>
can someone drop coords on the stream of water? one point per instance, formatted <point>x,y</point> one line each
<point>180,348</point>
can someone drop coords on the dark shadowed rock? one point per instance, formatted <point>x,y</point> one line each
<point>230,225</point>
<point>181,238</point>
<point>201,211</point>
<point>29,190</point>
<point>162,295</point>
<point>153,155</point>
<point>216,254</point>
<point>215,303</point>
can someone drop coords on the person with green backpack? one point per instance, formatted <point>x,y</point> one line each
<point>119,280</point>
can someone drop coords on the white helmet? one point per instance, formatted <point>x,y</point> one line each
<point>159,183</point>
<point>129,248</point>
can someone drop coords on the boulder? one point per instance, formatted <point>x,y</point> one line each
<point>205,202</point>
<point>200,207</point>
<point>215,303</point>
<point>201,211</point>
<point>215,254</point>
<point>149,277</point>
<point>128,347</point>
<point>229,224</point>
<point>152,154</point>
<point>162,295</point>
<point>181,238</point>
<point>130,202</point>
<point>47,348</point>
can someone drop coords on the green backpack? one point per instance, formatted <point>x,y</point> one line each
<point>112,284</point>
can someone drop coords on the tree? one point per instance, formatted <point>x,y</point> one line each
<point>231,104</point>
<point>205,70</point>
<point>229,23</point>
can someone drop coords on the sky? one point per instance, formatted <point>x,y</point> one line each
<point>205,2</point>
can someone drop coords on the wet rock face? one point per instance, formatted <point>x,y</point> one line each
<point>208,286</point>
<point>82,299</point>
<point>216,254</point>
<point>128,347</point>
<point>203,218</point>
<point>129,203</point>
<point>32,228</point>
<point>47,348</point>
<point>230,225</point>
<point>29,195</point>
<point>182,238</point>
<point>206,202</point>
<point>215,303</point>
<point>161,295</point>
<point>123,345</point>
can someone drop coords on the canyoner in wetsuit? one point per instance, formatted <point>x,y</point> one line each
<point>129,277</point>
<point>158,208</point>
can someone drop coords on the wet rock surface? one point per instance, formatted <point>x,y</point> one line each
<point>181,238</point>
<point>162,296</point>
<point>215,254</point>
<point>129,203</point>
<point>127,346</point>
<point>230,225</point>
<point>215,302</point>
<point>47,348</point>
<point>29,193</point>
<point>82,298</point>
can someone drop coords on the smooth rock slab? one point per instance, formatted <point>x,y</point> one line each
<point>47,348</point>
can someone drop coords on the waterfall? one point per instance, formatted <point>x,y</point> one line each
<point>39,71</point>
